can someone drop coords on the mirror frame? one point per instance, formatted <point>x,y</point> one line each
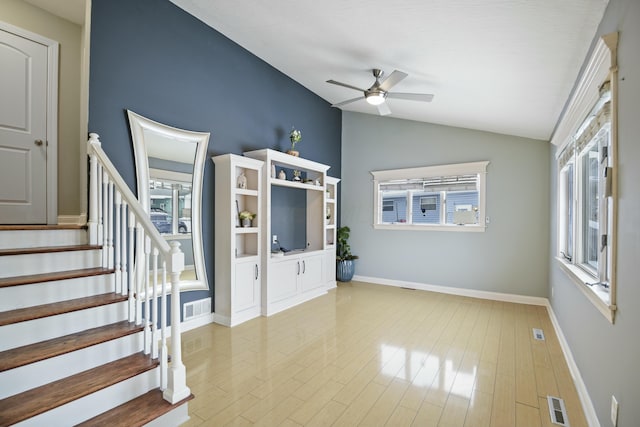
<point>138,124</point>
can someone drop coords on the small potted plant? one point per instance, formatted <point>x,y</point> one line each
<point>345,267</point>
<point>246,217</point>
<point>295,136</point>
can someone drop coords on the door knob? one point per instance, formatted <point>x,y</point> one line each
<point>39,142</point>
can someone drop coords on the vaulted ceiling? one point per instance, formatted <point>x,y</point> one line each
<point>504,66</point>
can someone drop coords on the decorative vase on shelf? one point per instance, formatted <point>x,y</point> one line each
<point>295,136</point>
<point>273,171</point>
<point>282,174</point>
<point>293,153</point>
<point>296,176</point>
<point>246,222</point>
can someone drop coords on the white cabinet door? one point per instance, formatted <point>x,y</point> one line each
<point>311,274</point>
<point>246,292</point>
<point>283,280</point>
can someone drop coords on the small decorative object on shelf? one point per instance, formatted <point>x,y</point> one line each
<point>246,217</point>
<point>273,170</point>
<point>242,181</point>
<point>318,183</point>
<point>328,214</point>
<point>296,176</point>
<point>282,174</point>
<point>295,136</point>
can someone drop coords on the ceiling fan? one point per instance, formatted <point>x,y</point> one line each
<point>379,91</point>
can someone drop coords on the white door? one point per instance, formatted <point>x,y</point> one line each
<point>23,130</point>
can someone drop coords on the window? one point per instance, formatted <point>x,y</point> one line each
<point>170,205</point>
<point>445,197</point>
<point>586,183</point>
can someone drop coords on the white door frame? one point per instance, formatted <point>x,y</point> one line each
<point>52,114</point>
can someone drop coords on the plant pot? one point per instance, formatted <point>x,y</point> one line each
<point>293,153</point>
<point>345,270</point>
<point>246,222</point>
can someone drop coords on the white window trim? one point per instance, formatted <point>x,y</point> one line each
<point>602,67</point>
<point>425,172</point>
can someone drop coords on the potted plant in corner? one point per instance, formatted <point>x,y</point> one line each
<point>345,267</point>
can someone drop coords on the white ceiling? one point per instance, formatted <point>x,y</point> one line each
<point>504,66</point>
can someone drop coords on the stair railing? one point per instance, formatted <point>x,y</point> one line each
<point>129,240</point>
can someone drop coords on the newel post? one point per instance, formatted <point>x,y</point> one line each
<point>177,379</point>
<point>93,189</point>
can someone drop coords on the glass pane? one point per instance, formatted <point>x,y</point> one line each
<point>184,209</point>
<point>161,205</point>
<point>394,206</point>
<point>590,206</point>
<point>462,207</point>
<point>426,208</point>
<point>570,213</point>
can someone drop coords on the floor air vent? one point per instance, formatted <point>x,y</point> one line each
<point>558,411</point>
<point>538,334</point>
<point>196,309</point>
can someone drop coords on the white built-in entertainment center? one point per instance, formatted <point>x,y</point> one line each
<point>253,276</point>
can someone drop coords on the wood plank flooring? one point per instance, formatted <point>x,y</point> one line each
<point>380,356</point>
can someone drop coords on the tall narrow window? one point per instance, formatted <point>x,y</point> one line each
<point>586,184</point>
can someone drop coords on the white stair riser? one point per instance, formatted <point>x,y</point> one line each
<point>96,403</point>
<point>45,371</point>
<point>14,297</point>
<point>32,331</point>
<point>176,417</point>
<point>22,265</point>
<point>12,239</point>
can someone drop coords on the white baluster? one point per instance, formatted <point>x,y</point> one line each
<point>177,380</point>
<point>154,319</point>
<point>125,276</point>
<point>118,236</point>
<point>93,189</point>
<point>164,357</point>
<point>130,273</point>
<point>105,219</point>
<point>100,207</point>
<point>147,296</point>
<point>110,226</point>
<point>139,272</point>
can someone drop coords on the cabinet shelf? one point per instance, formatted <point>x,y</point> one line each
<point>246,230</point>
<point>331,200</point>
<point>293,184</point>
<point>246,192</point>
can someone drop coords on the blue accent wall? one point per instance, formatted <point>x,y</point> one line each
<point>151,57</point>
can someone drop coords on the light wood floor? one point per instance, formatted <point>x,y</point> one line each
<point>374,355</point>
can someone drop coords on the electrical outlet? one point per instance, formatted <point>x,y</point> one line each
<point>487,220</point>
<point>274,240</point>
<point>552,291</point>
<point>614,411</point>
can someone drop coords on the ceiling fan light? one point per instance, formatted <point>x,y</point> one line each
<point>375,98</point>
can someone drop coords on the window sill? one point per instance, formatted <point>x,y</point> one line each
<point>425,227</point>
<point>596,294</point>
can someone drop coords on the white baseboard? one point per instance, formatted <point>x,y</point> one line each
<point>583,394</point>
<point>496,296</point>
<point>72,219</point>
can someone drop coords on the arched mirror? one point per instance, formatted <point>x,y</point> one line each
<point>169,170</point>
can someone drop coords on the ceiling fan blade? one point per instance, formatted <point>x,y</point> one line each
<point>348,101</point>
<point>333,82</point>
<point>424,97</point>
<point>383,109</point>
<point>393,79</point>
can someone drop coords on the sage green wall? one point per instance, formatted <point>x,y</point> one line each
<point>69,35</point>
<point>510,257</point>
<point>607,355</point>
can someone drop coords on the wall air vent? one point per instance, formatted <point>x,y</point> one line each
<point>557,411</point>
<point>193,309</point>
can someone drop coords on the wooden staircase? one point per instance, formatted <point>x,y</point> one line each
<point>68,353</point>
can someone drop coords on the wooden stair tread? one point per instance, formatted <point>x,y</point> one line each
<point>50,277</point>
<point>47,249</point>
<point>32,402</point>
<point>12,227</point>
<point>136,412</point>
<point>42,350</point>
<point>45,310</point>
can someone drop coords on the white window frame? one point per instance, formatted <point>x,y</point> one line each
<point>386,176</point>
<point>585,118</point>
